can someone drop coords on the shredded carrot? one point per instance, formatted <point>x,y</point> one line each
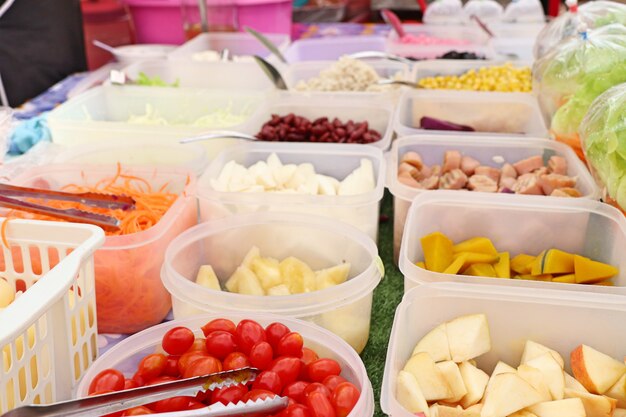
<point>3,232</point>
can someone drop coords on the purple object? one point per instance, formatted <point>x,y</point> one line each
<point>507,191</point>
<point>430,123</point>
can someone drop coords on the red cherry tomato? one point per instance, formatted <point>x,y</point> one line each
<point>199,345</point>
<point>232,394</point>
<point>139,380</point>
<point>161,379</point>
<point>319,405</point>
<point>268,380</point>
<point>189,357</point>
<point>170,404</point>
<point>331,381</point>
<point>261,355</point>
<point>177,340</point>
<point>220,343</point>
<point>290,345</point>
<point>321,368</point>
<point>275,332</point>
<point>287,368</point>
<point>203,366</point>
<point>138,411</point>
<point>107,380</point>
<point>308,355</point>
<point>195,405</point>
<point>235,360</point>
<point>152,366</point>
<point>171,366</point>
<point>344,398</point>
<point>130,384</point>
<point>296,391</point>
<point>317,387</point>
<point>295,410</point>
<point>247,334</point>
<point>218,324</point>
<point>257,394</point>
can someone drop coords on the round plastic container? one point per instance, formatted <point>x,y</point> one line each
<point>321,243</point>
<point>126,355</point>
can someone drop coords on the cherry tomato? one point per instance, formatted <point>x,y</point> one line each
<point>185,360</point>
<point>296,391</point>
<point>203,366</point>
<point>177,340</point>
<point>218,324</point>
<point>138,411</point>
<point>344,398</point>
<point>268,380</point>
<point>220,343</point>
<point>161,379</point>
<point>275,332</point>
<point>317,387</point>
<point>321,368</point>
<point>236,360</point>
<point>256,394</point>
<point>287,368</point>
<point>308,355</point>
<point>248,334</point>
<point>170,404</point>
<point>130,384</point>
<point>139,380</point>
<point>295,410</point>
<point>232,394</point>
<point>107,380</point>
<point>319,405</point>
<point>195,405</point>
<point>331,381</point>
<point>261,355</point>
<point>171,366</point>
<point>290,345</point>
<point>199,345</point>
<point>152,366</point>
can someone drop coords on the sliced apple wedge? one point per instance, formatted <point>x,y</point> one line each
<point>553,373</point>
<point>619,412</point>
<point>595,405</point>
<point>475,381</point>
<point>468,337</point>
<point>438,410</point>
<point>534,349</point>
<point>594,370</point>
<point>501,368</point>
<point>522,413</point>
<point>409,395</point>
<point>618,391</point>
<point>429,377</point>
<point>435,343</point>
<point>508,393</point>
<point>572,383</point>
<point>536,379</point>
<point>473,411</point>
<point>571,407</point>
<point>452,375</point>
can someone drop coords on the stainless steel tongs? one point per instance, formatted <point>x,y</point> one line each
<point>100,405</point>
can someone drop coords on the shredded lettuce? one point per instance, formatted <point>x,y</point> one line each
<point>155,81</point>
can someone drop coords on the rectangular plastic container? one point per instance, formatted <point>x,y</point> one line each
<point>561,320</point>
<point>237,43</point>
<point>101,115</point>
<point>517,224</point>
<point>515,39</point>
<point>130,295</point>
<point>327,49</point>
<point>335,160</point>
<point>489,113</point>
<point>48,333</point>
<point>482,148</point>
<point>433,68</point>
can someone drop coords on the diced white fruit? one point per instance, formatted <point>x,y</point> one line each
<point>536,379</point>
<point>327,185</point>
<point>435,343</point>
<point>572,383</point>
<point>429,377</point>
<point>284,174</point>
<point>302,174</point>
<point>619,412</point>
<point>349,323</point>
<point>281,289</point>
<point>438,410</point>
<point>297,275</point>
<point>207,278</point>
<point>534,349</point>
<point>475,381</point>
<point>508,393</point>
<point>360,181</point>
<point>618,391</point>
<point>594,370</point>
<point>253,253</point>
<point>595,405</point>
<point>452,375</point>
<point>273,162</point>
<point>223,179</point>
<point>309,186</point>
<point>473,411</point>
<point>240,179</point>
<point>522,413</point>
<point>501,368</point>
<point>247,282</point>
<point>7,293</point>
<point>468,337</point>
<point>263,175</point>
<point>571,407</point>
<point>330,277</point>
<point>267,271</point>
<point>409,395</point>
<point>553,373</point>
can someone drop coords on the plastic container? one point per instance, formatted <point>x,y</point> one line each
<point>344,309</point>
<point>335,160</point>
<point>131,296</point>
<point>561,320</point>
<point>517,224</point>
<point>490,113</point>
<point>327,49</point>
<point>102,114</point>
<point>126,355</point>
<point>48,334</point>
<point>515,39</point>
<point>6,123</point>
<point>433,68</point>
<point>484,149</point>
<point>237,43</point>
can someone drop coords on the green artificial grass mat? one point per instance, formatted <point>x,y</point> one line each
<point>387,296</point>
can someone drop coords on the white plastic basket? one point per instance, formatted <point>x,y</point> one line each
<point>48,334</point>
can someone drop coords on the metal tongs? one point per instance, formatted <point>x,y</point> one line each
<point>9,195</point>
<point>100,405</point>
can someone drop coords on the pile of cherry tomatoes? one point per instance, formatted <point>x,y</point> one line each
<point>313,385</point>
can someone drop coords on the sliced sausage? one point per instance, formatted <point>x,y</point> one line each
<point>557,165</point>
<point>550,182</point>
<point>508,171</point>
<point>405,167</point>
<point>493,173</point>
<point>507,182</point>
<point>528,184</point>
<point>453,180</point>
<point>407,179</point>
<point>468,165</point>
<point>528,165</point>
<point>451,161</point>
<point>572,192</point>
<point>430,183</point>
<point>482,183</point>
<point>559,193</point>
<point>541,171</point>
<point>413,158</point>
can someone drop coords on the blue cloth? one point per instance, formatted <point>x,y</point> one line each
<point>27,133</point>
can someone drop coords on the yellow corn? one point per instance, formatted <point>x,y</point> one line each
<point>504,77</point>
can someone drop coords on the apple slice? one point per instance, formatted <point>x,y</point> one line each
<point>595,405</point>
<point>428,376</point>
<point>534,349</point>
<point>501,368</point>
<point>452,375</point>
<point>536,379</point>
<point>522,413</point>
<point>438,410</point>
<point>596,371</point>
<point>553,373</point>
<point>619,412</point>
<point>571,407</point>
<point>572,383</point>
<point>475,381</point>
<point>409,394</point>
<point>473,411</point>
<point>468,337</point>
<point>508,393</point>
<point>618,391</point>
<point>435,343</point>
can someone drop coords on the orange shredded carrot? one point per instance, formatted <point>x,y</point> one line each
<point>3,232</point>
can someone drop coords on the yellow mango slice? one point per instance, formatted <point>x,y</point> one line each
<point>480,270</point>
<point>477,245</point>
<point>437,250</point>
<point>588,271</point>
<point>503,266</point>
<point>553,261</point>
<point>456,265</point>
<point>531,277</point>
<point>476,258</point>
<point>568,279</point>
<point>537,264</point>
<point>607,283</point>
<point>420,265</point>
<point>522,263</point>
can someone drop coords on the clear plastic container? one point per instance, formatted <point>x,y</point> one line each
<point>517,224</point>
<point>335,160</point>
<point>484,149</point>
<point>433,68</point>
<point>344,309</point>
<point>238,43</point>
<point>561,320</point>
<point>126,355</point>
<point>130,295</point>
<point>490,113</point>
<point>323,49</point>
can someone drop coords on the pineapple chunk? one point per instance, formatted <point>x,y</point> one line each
<point>297,275</point>
<point>206,277</point>
<point>281,289</point>
<point>330,277</point>
<point>253,253</point>
<point>267,271</point>
<point>247,282</point>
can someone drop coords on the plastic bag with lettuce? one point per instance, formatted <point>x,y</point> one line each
<point>603,136</point>
<point>593,14</point>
